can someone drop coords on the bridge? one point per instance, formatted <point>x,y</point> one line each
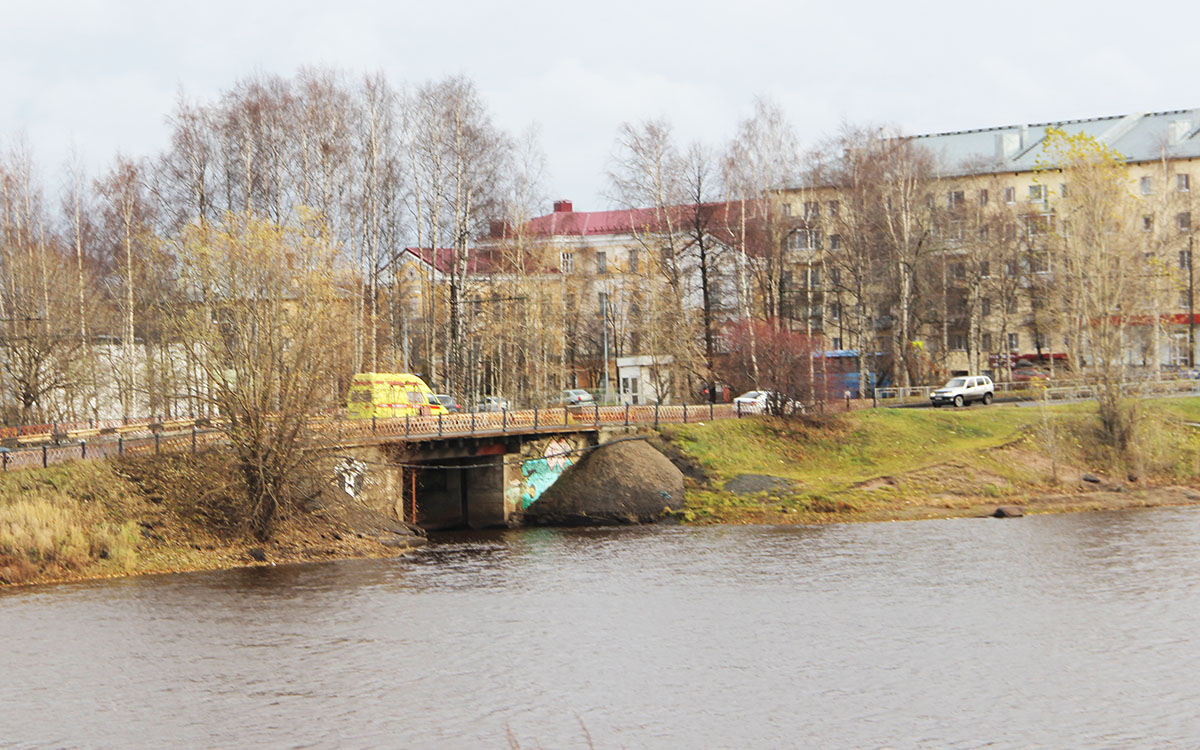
<point>473,470</point>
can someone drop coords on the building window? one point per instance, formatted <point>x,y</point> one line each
<point>1184,221</point>
<point>804,239</point>
<point>1062,190</point>
<point>601,262</point>
<point>602,304</point>
<point>1039,262</point>
<point>955,199</point>
<point>567,263</point>
<point>1010,305</point>
<point>835,242</point>
<point>833,208</point>
<point>835,313</point>
<point>835,276</point>
<point>1147,223</point>
<point>985,269</point>
<point>1010,268</point>
<point>814,278</point>
<point>787,209</point>
<point>983,234</point>
<point>958,341</point>
<point>1014,341</point>
<point>1185,259</point>
<point>987,342</point>
<point>1182,183</point>
<point>1010,195</point>
<point>959,270</point>
<point>985,306</point>
<point>633,261</point>
<point>983,196</point>
<point>1147,184</point>
<point>1010,232</point>
<point>1037,193</point>
<point>837,343</point>
<point>812,210</point>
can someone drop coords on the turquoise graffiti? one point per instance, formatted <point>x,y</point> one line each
<point>540,473</point>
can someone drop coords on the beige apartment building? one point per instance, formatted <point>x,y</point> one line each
<point>978,266</point>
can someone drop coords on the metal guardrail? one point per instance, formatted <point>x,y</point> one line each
<point>151,436</point>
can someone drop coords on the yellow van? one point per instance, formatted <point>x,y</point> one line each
<point>390,394</point>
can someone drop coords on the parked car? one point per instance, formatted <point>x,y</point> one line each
<point>493,403</point>
<point>448,401</point>
<point>576,397</point>
<point>760,402</point>
<point>964,390</point>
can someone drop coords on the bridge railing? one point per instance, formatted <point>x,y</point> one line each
<point>157,436</point>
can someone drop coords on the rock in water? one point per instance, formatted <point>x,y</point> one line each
<point>620,483</point>
<point>1008,511</point>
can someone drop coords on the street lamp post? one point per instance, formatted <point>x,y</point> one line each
<point>604,325</point>
<point>1191,309</point>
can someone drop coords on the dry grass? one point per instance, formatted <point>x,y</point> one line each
<point>51,535</point>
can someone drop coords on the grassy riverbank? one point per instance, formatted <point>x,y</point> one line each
<point>97,519</point>
<point>93,519</point>
<point>899,464</point>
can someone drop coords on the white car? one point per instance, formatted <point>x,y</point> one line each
<point>759,402</point>
<point>576,397</point>
<point>964,390</point>
<point>493,403</point>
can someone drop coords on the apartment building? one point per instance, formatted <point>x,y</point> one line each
<point>973,219</point>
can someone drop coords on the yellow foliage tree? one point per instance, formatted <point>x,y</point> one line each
<point>1099,270</point>
<point>266,325</point>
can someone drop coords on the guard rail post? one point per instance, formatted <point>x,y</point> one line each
<point>82,449</point>
<point>472,423</point>
<point>6,460</point>
<point>45,457</point>
<point>157,447</point>
<point>566,416</point>
<point>656,415</point>
<point>407,424</point>
<point>373,425</point>
<point>685,412</point>
<point>739,409</point>
<point>193,439</point>
<point>710,411</point>
<point>535,417</point>
<point>120,444</point>
<point>626,415</point>
<point>504,419</point>
<point>440,424</point>
<point>596,413</point>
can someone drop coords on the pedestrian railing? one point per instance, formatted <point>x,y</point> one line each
<point>1057,390</point>
<point>56,445</point>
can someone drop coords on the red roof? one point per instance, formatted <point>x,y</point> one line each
<point>443,259</point>
<point>564,222</point>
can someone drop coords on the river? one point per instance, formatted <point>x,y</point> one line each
<point>1073,631</point>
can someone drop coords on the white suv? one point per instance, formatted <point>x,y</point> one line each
<point>964,390</point>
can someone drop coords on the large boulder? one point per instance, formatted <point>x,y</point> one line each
<point>623,482</point>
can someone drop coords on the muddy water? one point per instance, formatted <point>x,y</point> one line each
<point>1073,631</point>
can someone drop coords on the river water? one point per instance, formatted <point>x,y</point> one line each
<point>1076,631</point>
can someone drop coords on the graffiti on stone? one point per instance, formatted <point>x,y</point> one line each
<point>350,475</point>
<point>539,473</point>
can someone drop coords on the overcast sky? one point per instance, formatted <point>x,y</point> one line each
<point>103,76</point>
